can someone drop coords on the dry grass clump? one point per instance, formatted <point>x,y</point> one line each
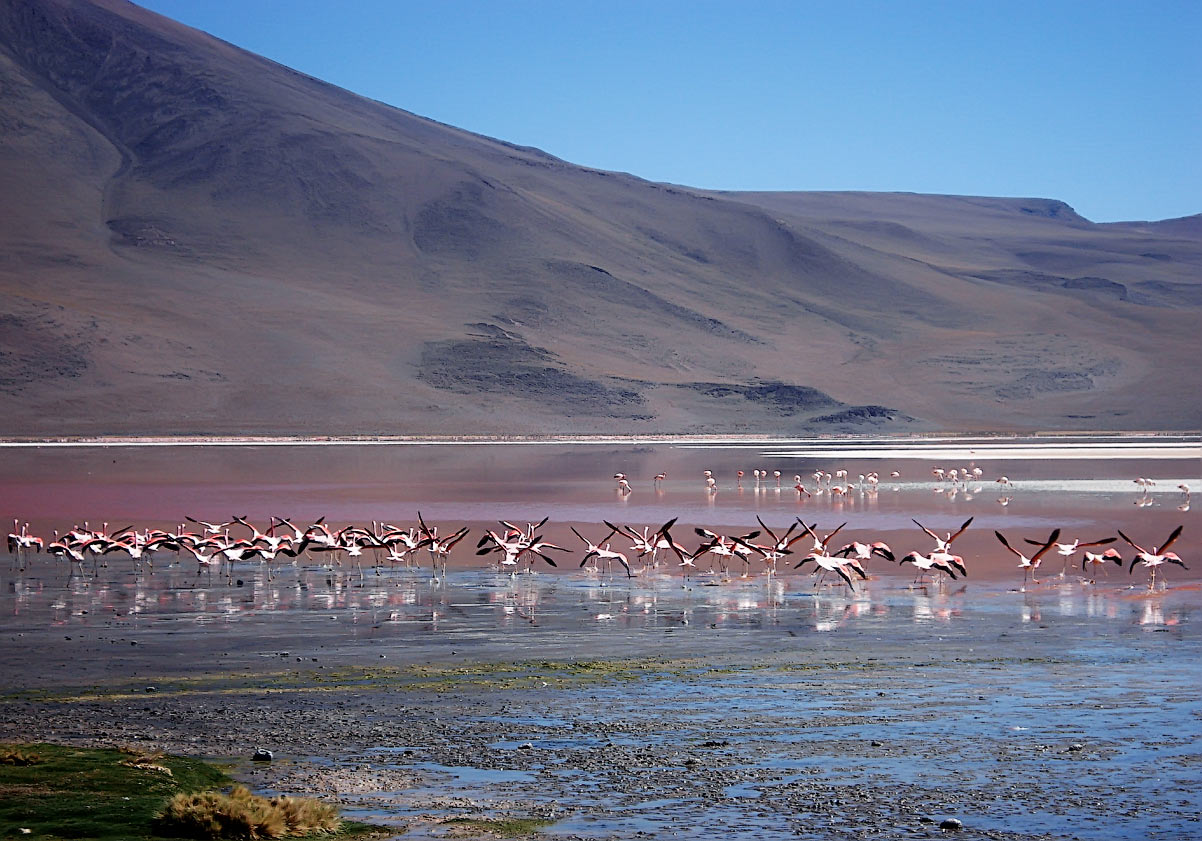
<point>18,756</point>
<point>242,815</point>
<point>146,761</point>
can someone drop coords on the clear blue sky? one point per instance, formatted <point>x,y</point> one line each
<point>1097,103</point>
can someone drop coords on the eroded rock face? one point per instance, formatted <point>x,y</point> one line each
<point>509,367</point>
<point>36,348</point>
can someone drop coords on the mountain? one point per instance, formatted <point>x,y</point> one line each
<point>198,240</point>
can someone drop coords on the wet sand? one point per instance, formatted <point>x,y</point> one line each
<point>615,706</point>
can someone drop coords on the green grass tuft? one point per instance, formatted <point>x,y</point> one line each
<point>59,792</point>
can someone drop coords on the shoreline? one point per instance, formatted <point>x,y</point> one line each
<point>989,441</point>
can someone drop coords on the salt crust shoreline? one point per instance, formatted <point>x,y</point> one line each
<point>1057,446</point>
<point>1118,439</point>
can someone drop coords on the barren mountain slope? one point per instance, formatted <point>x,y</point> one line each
<point>196,239</point>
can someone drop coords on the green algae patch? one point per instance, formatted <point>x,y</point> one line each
<point>496,827</point>
<point>427,677</point>
<point>56,792</point>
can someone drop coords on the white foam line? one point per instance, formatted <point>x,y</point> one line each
<point>868,448</point>
<point>1172,451</point>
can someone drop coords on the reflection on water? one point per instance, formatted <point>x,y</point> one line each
<point>46,592</point>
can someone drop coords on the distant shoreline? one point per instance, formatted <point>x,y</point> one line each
<point>1129,444</point>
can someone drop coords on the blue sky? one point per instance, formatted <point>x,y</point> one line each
<point>1096,103</point>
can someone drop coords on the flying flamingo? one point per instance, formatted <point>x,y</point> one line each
<point>926,563</point>
<point>509,548</point>
<point>820,543</point>
<point>210,528</point>
<point>645,543</point>
<point>1031,564</point>
<point>781,543</point>
<point>592,550</point>
<point>827,564</point>
<point>727,547</point>
<point>942,544</point>
<point>1159,555</point>
<point>1067,550</point>
<point>688,559</point>
<point>536,548</point>
<point>1099,559</point>
<point>440,550</point>
<point>865,551</point>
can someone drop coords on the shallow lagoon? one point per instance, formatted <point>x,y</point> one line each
<point>757,707</point>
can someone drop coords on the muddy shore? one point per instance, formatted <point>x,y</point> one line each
<point>1048,714</point>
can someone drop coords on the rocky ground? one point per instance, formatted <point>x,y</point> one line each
<point>1015,725</point>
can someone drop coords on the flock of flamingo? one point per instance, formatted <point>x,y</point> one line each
<point>952,481</point>
<point>515,547</point>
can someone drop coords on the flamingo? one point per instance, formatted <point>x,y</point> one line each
<point>688,559</point>
<point>604,553</point>
<point>297,534</point>
<point>210,528</point>
<point>592,550</point>
<point>727,547</point>
<point>402,543</point>
<point>22,539</point>
<point>510,548</point>
<point>203,561</point>
<point>820,543</point>
<point>527,532</point>
<point>865,551</point>
<point>768,553</point>
<point>1099,559</point>
<point>1067,550</point>
<point>75,554</point>
<point>267,537</point>
<point>1158,556</point>
<point>1030,565</point>
<point>781,543</point>
<point>536,547</point>
<point>440,550</point>
<point>926,563</point>
<point>827,564</point>
<point>645,543</point>
<point>942,544</point>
